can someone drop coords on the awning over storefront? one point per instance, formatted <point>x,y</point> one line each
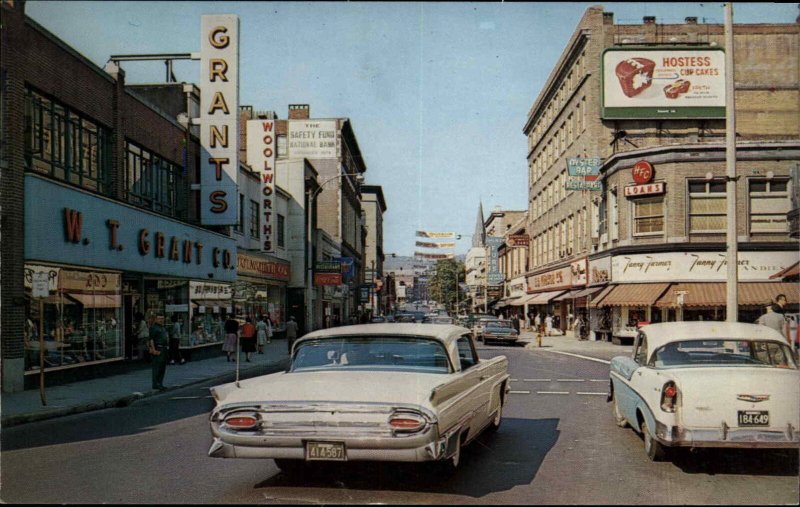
<point>542,298</point>
<point>211,302</point>
<point>598,298</point>
<point>97,300</point>
<point>518,301</point>
<point>634,294</point>
<point>714,294</point>
<point>568,295</point>
<point>502,303</point>
<point>524,300</point>
<point>589,292</point>
<point>790,272</point>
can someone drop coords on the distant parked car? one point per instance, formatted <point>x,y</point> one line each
<point>708,384</point>
<point>382,392</point>
<point>377,319</point>
<point>478,325</point>
<point>499,331</point>
<point>405,317</point>
<point>443,320</point>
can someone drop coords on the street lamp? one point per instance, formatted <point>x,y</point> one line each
<point>312,196</point>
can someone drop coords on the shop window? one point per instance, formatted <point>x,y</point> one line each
<point>80,319</point>
<point>255,220</point>
<point>65,145</point>
<point>153,182</point>
<point>769,204</point>
<point>281,231</point>
<point>707,206</point>
<point>648,216</point>
<point>283,150</point>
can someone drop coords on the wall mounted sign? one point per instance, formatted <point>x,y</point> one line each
<point>642,172</point>
<point>648,189</point>
<point>249,265</point>
<point>219,119</point>
<point>261,157</point>
<point>313,139</point>
<point>663,82</point>
<point>583,173</point>
<point>518,240</point>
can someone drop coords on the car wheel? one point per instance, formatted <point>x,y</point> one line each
<point>291,466</point>
<point>655,451</point>
<point>619,419</point>
<point>449,466</point>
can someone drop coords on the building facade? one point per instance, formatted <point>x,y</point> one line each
<point>374,206</point>
<point>626,173</point>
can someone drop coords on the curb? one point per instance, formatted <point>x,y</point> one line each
<point>129,399</point>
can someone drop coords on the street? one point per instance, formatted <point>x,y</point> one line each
<point>557,445</point>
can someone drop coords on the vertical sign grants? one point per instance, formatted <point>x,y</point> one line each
<point>261,155</point>
<point>219,119</point>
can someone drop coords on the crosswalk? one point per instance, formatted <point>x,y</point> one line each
<point>539,381</point>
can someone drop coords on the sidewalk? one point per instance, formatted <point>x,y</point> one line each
<point>568,343</point>
<point>121,390</point>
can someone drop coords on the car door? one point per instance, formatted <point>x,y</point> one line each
<point>626,375</point>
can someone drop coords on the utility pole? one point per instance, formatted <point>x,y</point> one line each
<point>732,299</point>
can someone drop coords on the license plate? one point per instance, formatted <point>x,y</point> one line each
<point>753,418</point>
<point>327,451</point>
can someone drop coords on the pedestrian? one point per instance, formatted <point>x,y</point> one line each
<point>537,321</point>
<point>175,341</point>
<point>780,300</point>
<point>248,337</point>
<point>142,336</point>
<point>158,345</point>
<point>548,324</point>
<point>291,332</point>
<point>771,318</point>
<point>197,337</point>
<point>261,334</point>
<point>231,337</point>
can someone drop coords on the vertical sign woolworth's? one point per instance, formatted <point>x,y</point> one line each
<point>261,156</point>
<point>219,119</point>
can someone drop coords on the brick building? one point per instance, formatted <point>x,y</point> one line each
<point>96,199</point>
<point>374,206</point>
<point>620,248</point>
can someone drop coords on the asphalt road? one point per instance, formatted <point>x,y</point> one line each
<point>557,445</point>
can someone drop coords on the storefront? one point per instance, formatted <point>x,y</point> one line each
<point>683,286</point>
<point>260,287</point>
<point>555,292</point>
<point>108,262</point>
<point>516,291</point>
<point>209,307</point>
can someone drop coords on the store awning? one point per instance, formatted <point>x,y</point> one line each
<point>502,303</point>
<point>634,294</point>
<point>518,301</point>
<point>568,295</point>
<point>97,300</point>
<point>790,272</point>
<point>598,298</point>
<point>589,292</point>
<point>542,298</point>
<point>524,300</point>
<point>715,294</point>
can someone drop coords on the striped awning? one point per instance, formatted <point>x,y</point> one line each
<point>568,295</point>
<point>596,300</point>
<point>715,294</point>
<point>542,298</point>
<point>634,294</point>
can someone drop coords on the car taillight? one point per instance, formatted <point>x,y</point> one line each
<point>669,397</point>
<point>407,423</point>
<point>241,422</point>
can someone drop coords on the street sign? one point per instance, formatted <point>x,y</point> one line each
<point>40,285</point>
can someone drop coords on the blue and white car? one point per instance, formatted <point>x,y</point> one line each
<point>708,384</point>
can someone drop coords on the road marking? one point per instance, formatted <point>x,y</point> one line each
<point>570,380</point>
<point>594,394</point>
<point>552,392</point>
<point>600,380</point>
<point>519,392</point>
<point>578,355</point>
<point>536,380</point>
<point>513,380</point>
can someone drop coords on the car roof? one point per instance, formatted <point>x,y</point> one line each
<point>444,333</point>
<point>667,332</point>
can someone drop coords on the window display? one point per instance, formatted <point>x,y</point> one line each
<point>80,319</point>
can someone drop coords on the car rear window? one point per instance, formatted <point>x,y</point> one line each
<point>398,353</point>
<point>733,352</point>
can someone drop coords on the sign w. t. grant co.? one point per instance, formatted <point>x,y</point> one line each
<point>253,266</point>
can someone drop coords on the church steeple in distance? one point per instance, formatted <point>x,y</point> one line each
<point>479,237</point>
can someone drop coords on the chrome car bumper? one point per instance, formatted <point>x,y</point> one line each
<point>746,438</point>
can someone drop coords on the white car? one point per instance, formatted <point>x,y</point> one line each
<point>376,392</point>
<point>708,384</point>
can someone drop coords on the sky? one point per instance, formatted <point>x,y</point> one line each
<point>437,93</point>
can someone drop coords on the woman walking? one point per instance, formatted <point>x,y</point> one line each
<point>248,338</point>
<point>231,336</point>
<point>263,330</point>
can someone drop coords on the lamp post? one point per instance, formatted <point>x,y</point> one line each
<point>732,296</point>
<point>312,196</point>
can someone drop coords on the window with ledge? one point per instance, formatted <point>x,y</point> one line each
<point>282,145</point>
<point>281,231</point>
<point>255,220</point>
<point>153,182</point>
<point>769,204</point>
<point>707,206</point>
<point>648,216</point>
<point>66,145</point>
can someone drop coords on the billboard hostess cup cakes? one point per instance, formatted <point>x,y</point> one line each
<point>635,75</point>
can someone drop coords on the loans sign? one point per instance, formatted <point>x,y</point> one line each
<point>219,119</point>
<point>663,83</point>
